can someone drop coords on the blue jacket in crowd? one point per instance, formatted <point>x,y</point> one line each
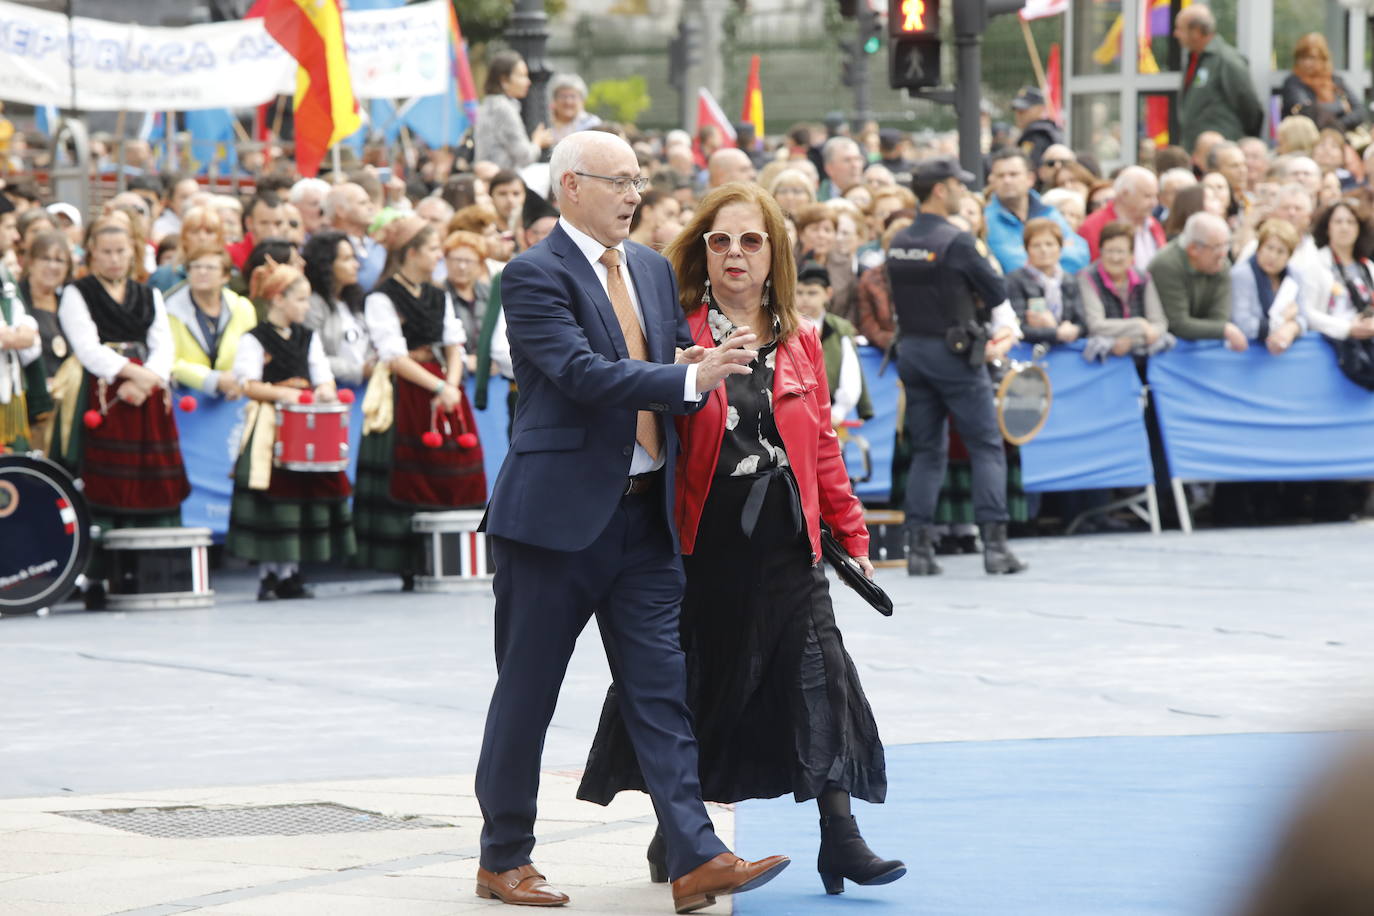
<point>1005,229</point>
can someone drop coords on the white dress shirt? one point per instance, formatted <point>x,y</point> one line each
<point>641,463</point>
<point>102,362</point>
<point>249,357</point>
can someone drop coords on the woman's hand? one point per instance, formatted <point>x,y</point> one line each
<point>326,392</point>
<point>1150,331</point>
<point>228,386</point>
<point>1041,318</point>
<point>16,338</point>
<point>448,398</point>
<point>1067,332</point>
<point>542,137</point>
<point>1122,346</point>
<point>1362,328</point>
<point>131,393</point>
<point>865,565</point>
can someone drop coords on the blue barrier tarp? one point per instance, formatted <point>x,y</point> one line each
<point>880,432</point>
<point>1231,416</point>
<point>1095,435</point>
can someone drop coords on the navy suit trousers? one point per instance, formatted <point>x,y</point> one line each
<point>633,581</point>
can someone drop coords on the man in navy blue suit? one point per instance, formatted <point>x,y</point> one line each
<point>580,521</point>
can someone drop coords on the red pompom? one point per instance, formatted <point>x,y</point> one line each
<point>432,439</point>
<point>467,440</point>
<point>188,403</point>
<point>305,398</point>
<point>346,396</point>
<point>92,419</point>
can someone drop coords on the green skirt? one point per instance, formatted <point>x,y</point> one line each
<point>385,539</point>
<point>298,519</point>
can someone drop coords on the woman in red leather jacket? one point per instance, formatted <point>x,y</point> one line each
<point>776,699</point>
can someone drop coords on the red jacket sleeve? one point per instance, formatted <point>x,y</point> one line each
<point>840,508</point>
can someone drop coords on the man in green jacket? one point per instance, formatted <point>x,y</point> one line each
<point>1217,93</point>
<point>1191,282</point>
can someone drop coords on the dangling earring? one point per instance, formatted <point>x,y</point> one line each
<point>706,292</point>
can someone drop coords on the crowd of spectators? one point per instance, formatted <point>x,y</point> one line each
<point>1233,239</point>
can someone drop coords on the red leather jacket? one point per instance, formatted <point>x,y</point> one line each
<point>801,405</point>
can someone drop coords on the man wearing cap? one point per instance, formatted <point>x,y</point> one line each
<point>892,146</point>
<point>1038,132</point>
<point>945,295</point>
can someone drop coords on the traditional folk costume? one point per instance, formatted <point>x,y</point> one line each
<point>397,474</point>
<point>279,517</point>
<point>23,384</point>
<point>130,462</point>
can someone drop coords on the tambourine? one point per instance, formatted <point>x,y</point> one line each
<point>1023,402</point>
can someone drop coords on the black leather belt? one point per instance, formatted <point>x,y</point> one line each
<point>641,483</point>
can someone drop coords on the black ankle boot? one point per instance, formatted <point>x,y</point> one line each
<point>997,556</point>
<point>267,587</point>
<point>293,586</point>
<point>658,858</point>
<point>920,553</point>
<point>844,854</point>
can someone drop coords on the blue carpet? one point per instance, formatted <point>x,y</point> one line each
<point>1061,827</point>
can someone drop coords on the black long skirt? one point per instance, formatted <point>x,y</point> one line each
<point>775,698</point>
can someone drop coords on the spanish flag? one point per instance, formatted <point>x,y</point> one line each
<point>753,101</point>
<point>311,31</point>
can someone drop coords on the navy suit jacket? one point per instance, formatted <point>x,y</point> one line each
<point>574,429</point>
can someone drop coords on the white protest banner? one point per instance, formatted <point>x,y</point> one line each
<point>399,53</point>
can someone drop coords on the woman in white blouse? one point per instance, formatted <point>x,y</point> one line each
<point>1344,305</point>
<point>115,429</point>
<point>336,306</point>
<point>420,450</point>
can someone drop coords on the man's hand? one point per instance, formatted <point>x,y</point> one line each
<point>688,356</point>
<point>1235,340</point>
<point>999,346</point>
<point>731,356</point>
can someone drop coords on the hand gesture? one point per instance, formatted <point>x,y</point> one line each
<point>688,356</point>
<point>731,356</point>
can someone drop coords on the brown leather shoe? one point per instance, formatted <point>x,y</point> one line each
<point>726,874</point>
<point>523,886</point>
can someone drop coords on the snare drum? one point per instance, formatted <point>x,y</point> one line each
<point>45,534</point>
<point>456,553</point>
<point>158,567</point>
<point>312,437</point>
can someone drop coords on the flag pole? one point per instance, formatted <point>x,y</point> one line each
<point>1035,58</point>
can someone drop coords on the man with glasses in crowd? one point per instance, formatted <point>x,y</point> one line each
<point>1190,280</point>
<point>581,520</point>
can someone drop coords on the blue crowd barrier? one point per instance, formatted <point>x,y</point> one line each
<point>880,432</point>
<point>1251,416</point>
<point>1094,437</point>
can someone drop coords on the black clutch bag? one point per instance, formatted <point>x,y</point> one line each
<point>850,574</point>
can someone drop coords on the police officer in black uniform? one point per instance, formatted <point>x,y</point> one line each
<point>1038,132</point>
<point>943,289</point>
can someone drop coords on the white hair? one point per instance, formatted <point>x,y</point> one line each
<point>570,154</point>
<point>303,187</point>
<point>1199,226</point>
<point>1132,176</point>
<point>833,147</point>
<point>1294,190</point>
<point>1177,179</point>
<point>1057,197</point>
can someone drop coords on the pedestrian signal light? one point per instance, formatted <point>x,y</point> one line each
<point>914,49</point>
<point>909,18</point>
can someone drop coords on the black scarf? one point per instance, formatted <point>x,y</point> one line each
<point>284,358</point>
<point>126,322</point>
<point>422,317</point>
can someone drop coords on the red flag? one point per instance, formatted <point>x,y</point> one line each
<point>311,31</point>
<point>753,102</point>
<point>1055,78</point>
<point>709,113</point>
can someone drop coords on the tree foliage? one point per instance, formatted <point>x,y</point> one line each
<point>622,101</point>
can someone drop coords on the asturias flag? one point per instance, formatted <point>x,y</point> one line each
<point>753,102</point>
<point>311,31</point>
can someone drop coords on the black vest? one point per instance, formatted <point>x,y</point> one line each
<point>118,322</point>
<point>284,358</point>
<point>928,295</point>
<point>1112,306</point>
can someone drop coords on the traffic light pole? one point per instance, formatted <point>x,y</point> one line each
<point>968,80</point>
<point>867,26</point>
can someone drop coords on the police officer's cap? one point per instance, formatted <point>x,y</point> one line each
<point>934,171</point>
<point>1028,97</point>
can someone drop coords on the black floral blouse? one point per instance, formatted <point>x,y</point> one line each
<point>751,444</point>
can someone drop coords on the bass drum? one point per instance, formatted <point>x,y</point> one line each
<point>45,534</point>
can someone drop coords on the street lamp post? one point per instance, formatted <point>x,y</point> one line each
<point>528,33</point>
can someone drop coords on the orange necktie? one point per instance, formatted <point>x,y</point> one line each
<point>647,431</point>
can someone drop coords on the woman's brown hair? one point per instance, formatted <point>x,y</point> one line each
<point>401,237</point>
<point>1042,226</point>
<point>44,242</point>
<point>1117,229</point>
<point>271,279</point>
<point>687,252</point>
